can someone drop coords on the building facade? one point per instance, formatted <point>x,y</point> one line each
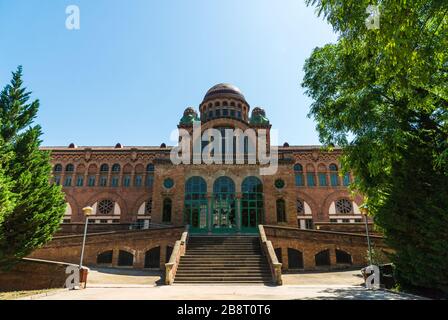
<point>142,186</point>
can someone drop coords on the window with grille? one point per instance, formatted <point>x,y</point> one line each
<point>106,207</point>
<point>322,179</point>
<point>68,181</point>
<point>344,206</point>
<point>311,179</point>
<point>114,181</point>
<point>138,180</point>
<point>103,181</point>
<point>309,224</point>
<point>91,181</point>
<point>80,181</point>
<point>148,206</point>
<point>347,179</point>
<point>149,180</point>
<point>300,207</point>
<point>298,171</point>
<point>126,181</point>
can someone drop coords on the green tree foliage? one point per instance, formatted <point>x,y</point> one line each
<point>382,94</point>
<point>31,208</point>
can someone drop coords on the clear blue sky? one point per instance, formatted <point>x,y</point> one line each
<point>135,65</point>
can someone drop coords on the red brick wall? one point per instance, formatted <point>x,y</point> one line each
<point>138,242</point>
<point>311,242</point>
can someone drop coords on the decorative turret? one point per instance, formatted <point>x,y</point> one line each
<point>259,117</point>
<point>190,115</point>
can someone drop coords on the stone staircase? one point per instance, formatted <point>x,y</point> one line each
<point>223,259</point>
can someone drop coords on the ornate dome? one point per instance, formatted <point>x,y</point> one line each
<point>190,115</point>
<point>224,90</point>
<point>259,117</point>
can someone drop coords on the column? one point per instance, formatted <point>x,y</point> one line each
<point>238,210</point>
<point>210,212</point>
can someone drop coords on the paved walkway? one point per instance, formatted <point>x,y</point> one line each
<point>219,292</point>
<point>129,284</point>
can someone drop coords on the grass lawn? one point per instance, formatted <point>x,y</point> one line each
<point>20,294</point>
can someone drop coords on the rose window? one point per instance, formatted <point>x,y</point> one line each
<point>344,206</point>
<point>105,207</point>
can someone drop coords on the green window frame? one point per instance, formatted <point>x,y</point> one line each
<point>311,179</point>
<point>79,181</point>
<point>323,179</point>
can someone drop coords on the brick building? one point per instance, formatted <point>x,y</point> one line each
<point>141,186</point>
<point>142,198</point>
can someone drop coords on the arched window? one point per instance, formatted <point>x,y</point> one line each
<point>295,259</point>
<point>105,257</point>
<point>116,167</point>
<point>322,258</point>
<point>149,175</point>
<point>166,214</point>
<point>322,174</point>
<point>125,259</point>
<point>344,206</point>
<point>343,257</point>
<point>152,258</point>
<point>252,206</point>
<point>196,203</point>
<point>224,205</point>
<point>69,168</point>
<point>310,176</point>
<point>58,168</point>
<point>298,171</point>
<point>281,210</point>
<point>104,168</point>
<point>347,179</point>
<point>334,176</point>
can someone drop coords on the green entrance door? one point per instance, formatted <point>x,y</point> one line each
<point>252,210</point>
<point>223,219</point>
<point>196,205</point>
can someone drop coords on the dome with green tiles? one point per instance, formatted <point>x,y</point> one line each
<point>190,115</point>
<point>259,117</point>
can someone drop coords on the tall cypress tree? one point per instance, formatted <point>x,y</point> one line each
<point>31,207</point>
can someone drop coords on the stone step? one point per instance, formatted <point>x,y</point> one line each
<point>220,268</point>
<point>222,258</point>
<point>221,279</point>
<point>227,252</point>
<point>222,273</point>
<point>239,282</point>
<point>218,247</point>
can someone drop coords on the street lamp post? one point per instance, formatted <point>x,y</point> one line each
<point>87,212</point>
<point>365,211</point>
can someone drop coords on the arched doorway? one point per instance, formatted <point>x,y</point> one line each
<point>223,206</point>
<point>196,204</point>
<point>152,258</point>
<point>252,209</point>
